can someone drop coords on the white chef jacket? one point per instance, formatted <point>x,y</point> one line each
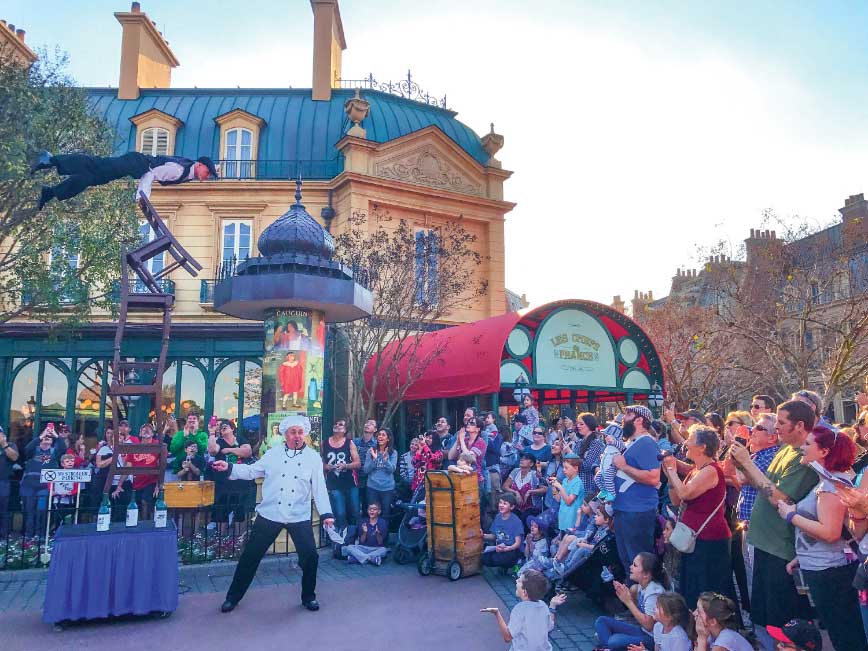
<point>169,171</point>
<point>291,480</point>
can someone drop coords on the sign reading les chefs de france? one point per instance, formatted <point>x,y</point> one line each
<point>80,475</point>
<point>574,349</point>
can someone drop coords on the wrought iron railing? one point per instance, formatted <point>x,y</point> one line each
<point>225,269</point>
<point>206,292</point>
<point>75,291</point>
<point>275,170</point>
<point>138,287</point>
<point>406,88</point>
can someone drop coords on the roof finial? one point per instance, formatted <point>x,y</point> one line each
<point>298,186</point>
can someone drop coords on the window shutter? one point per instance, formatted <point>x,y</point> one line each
<point>162,145</point>
<point>147,141</point>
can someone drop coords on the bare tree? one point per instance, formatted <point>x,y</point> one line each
<point>417,278</point>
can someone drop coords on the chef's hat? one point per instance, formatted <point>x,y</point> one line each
<point>294,421</point>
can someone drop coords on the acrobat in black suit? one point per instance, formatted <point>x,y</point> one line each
<point>83,171</point>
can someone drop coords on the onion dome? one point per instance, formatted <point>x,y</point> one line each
<point>296,232</point>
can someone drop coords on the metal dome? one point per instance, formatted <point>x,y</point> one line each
<point>296,232</point>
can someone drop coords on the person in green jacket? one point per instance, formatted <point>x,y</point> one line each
<point>190,431</point>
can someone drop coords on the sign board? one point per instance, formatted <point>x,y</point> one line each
<point>81,475</point>
<point>574,349</point>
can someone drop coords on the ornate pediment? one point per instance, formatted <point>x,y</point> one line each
<point>428,166</point>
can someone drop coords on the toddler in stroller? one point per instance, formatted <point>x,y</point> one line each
<point>413,530</point>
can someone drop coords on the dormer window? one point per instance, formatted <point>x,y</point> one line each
<point>156,132</point>
<point>155,142</point>
<point>239,141</point>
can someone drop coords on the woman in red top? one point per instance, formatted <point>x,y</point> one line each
<point>702,494</point>
<point>428,457</point>
<point>145,486</point>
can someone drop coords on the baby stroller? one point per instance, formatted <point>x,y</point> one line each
<point>413,530</point>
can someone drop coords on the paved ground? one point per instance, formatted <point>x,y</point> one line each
<point>392,604</point>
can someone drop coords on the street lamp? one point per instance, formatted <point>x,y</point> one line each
<point>521,389</point>
<point>655,399</point>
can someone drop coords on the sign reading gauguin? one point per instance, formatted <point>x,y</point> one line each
<point>574,349</point>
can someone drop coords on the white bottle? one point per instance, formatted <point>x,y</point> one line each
<point>103,519</point>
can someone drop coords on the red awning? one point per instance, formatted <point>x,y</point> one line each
<point>468,363</point>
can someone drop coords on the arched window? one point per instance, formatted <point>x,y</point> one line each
<point>22,410</point>
<point>238,154</point>
<point>89,399</point>
<point>54,389</point>
<point>192,394</point>
<point>226,391</point>
<point>252,388</point>
<point>155,141</point>
<point>167,402</point>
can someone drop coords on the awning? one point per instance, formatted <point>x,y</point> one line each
<point>583,346</point>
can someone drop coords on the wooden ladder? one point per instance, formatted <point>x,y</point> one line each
<point>131,378</point>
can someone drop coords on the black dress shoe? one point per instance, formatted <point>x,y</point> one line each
<point>45,195</point>
<point>228,606</point>
<point>43,162</point>
<point>313,604</point>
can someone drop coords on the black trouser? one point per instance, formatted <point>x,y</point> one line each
<point>837,605</point>
<point>737,556</point>
<point>261,538</point>
<point>501,559</point>
<point>84,171</point>
<point>775,601</point>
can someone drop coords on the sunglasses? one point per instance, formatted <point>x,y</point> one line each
<point>756,406</point>
<point>760,428</point>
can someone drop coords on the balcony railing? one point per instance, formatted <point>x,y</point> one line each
<point>138,287</point>
<point>407,88</point>
<point>206,292</point>
<point>277,170</point>
<point>75,292</point>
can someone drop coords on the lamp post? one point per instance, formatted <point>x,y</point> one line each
<point>30,414</point>
<point>655,399</point>
<point>521,389</point>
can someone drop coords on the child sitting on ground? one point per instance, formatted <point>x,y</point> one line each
<point>536,547</point>
<point>671,619</point>
<point>371,546</point>
<point>580,549</point>
<point>715,625</point>
<point>506,532</point>
<point>584,529</point>
<point>466,464</point>
<point>530,620</point>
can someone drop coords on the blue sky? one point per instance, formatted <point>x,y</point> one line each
<point>638,132</point>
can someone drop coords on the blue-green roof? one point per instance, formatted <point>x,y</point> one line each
<point>296,127</point>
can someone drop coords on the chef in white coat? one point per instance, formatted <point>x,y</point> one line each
<point>292,477</point>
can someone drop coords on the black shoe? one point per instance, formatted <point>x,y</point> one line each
<point>313,604</point>
<point>228,606</point>
<point>45,196</point>
<point>43,162</point>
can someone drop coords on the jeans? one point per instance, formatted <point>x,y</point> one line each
<point>35,511</point>
<point>363,553</point>
<point>345,504</point>
<point>837,604</point>
<point>635,534</point>
<point>384,499</point>
<point>618,635</point>
<point>501,559</point>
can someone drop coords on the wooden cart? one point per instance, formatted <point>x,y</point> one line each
<point>454,533</point>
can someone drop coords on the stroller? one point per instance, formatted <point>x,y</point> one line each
<point>413,530</point>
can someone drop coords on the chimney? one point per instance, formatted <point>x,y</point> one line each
<point>328,44</point>
<point>146,60</point>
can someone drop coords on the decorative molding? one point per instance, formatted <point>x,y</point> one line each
<point>157,116</point>
<point>242,116</point>
<point>427,166</point>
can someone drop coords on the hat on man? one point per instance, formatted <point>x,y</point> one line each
<point>641,410</point>
<point>572,455</point>
<point>207,162</point>
<point>799,633</point>
<point>295,420</point>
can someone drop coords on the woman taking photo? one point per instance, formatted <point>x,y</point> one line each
<point>380,464</point>
<point>702,494</point>
<point>589,450</point>
<point>820,547</point>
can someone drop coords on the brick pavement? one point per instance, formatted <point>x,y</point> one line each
<point>24,590</point>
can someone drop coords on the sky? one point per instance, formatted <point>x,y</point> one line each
<point>639,133</point>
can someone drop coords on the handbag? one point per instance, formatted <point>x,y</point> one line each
<point>683,538</point>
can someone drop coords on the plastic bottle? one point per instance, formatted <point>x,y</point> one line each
<point>104,516</point>
<point>133,511</point>
<point>161,514</point>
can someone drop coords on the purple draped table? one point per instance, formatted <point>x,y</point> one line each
<point>118,572</point>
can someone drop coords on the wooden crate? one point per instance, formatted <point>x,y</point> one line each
<point>467,545</point>
<point>189,494</point>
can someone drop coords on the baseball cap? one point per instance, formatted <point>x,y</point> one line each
<point>641,410</point>
<point>800,633</point>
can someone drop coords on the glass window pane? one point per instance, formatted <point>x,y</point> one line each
<point>88,392</point>
<point>168,402</point>
<point>246,137</point>
<point>252,388</point>
<point>23,405</point>
<point>54,388</point>
<point>229,240</point>
<point>231,143</point>
<point>226,392</point>
<point>192,390</point>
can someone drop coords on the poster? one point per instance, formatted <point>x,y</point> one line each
<point>293,370</point>
<point>573,349</point>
